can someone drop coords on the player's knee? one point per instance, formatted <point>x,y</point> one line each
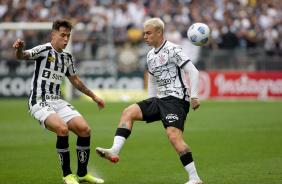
<point>84,131</point>
<point>63,131</point>
<point>87,131</point>
<point>127,113</point>
<point>172,138</point>
<point>132,113</point>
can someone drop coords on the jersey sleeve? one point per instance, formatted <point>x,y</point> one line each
<point>36,52</point>
<point>179,57</point>
<point>193,74</point>
<point>70,69</point>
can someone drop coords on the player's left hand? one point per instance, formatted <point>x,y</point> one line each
<point>100,102</point>
<point>195,103</point>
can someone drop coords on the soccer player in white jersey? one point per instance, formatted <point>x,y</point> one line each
<point>52,63</point>
<point>169,98</point>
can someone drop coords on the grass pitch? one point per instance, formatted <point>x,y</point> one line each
<point>231,142</point>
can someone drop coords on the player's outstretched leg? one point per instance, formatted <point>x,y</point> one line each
<point>108,154</point>
<point>112,154</point>
<point>89,178</point>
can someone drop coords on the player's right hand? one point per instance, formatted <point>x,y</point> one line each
<point>100,102</point>
<point>195,103</point>
<point>19,44</point>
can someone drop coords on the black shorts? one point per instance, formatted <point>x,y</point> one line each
<point>171,110</point>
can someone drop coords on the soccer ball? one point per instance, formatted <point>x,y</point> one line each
<point>199,34</point>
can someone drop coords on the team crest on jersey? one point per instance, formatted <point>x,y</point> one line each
<point>51,59</point>
<point>162,59</point>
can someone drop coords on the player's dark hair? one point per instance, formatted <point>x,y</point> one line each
<point>61,23</point>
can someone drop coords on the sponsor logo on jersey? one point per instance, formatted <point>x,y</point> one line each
<point>51,59</point>
<point>157,74</point>
<point>46,74</point>
<point>52,97</point>
<point>171,117</point>
<point>164,82</point>
<point>52,76</point>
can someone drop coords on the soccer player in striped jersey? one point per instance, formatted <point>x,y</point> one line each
<point>52,64</point>
<point>169,98</point>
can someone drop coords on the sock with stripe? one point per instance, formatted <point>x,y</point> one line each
<point>83,152</point>
<point>62,147</point>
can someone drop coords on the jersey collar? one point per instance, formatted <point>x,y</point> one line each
<point>157,50</point>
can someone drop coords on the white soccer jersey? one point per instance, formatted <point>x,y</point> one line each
<point>165,65</point>
<point>50,68</point>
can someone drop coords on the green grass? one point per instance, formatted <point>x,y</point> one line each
<point>232,143</point>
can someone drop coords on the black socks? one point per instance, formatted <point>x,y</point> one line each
<point>83,151</point>
<point>62,147</point>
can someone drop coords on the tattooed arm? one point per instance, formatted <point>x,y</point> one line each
<point>20,54</point>
<point>78,84</point>
<point>195,103</point>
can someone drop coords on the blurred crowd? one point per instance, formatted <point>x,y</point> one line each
<point>238,24</point>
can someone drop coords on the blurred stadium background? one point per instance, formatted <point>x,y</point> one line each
<point>233,141</point>
<point>242,60</point>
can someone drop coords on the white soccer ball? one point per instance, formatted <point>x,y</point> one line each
<point>199,34</point>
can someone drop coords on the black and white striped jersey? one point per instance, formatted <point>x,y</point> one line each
<point>165,64</point>
<point>49,71</point>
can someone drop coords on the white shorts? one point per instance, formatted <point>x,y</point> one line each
<point>42,110</point>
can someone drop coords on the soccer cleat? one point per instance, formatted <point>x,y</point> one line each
<point>108,154</point>
<point>70,179</point>
<point>88,178</point>
<point>194,182</point>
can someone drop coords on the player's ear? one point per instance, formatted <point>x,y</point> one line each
<point>160,32</point>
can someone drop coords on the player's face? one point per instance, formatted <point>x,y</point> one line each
<point>61,38</point>
<point>153,36</point>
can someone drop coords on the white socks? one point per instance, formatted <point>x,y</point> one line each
<point>191,169</point>
<point>118,143</point>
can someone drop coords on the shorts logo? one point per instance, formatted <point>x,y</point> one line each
<point>172,118</point>
<point>46,74</point>
<point>82,156</point>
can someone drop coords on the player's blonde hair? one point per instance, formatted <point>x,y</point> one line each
<point>157,23</point>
